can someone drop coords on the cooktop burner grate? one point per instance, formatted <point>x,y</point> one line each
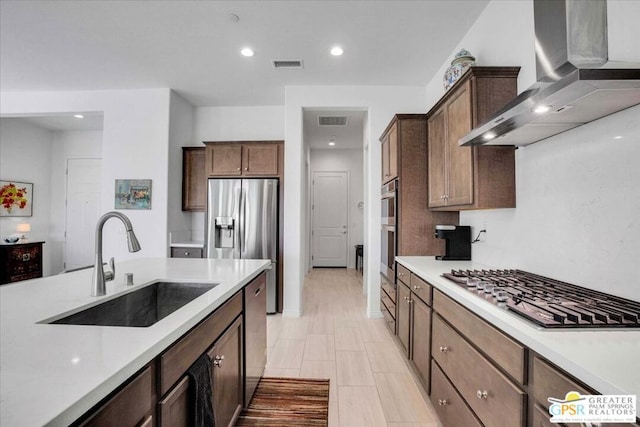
<point>550,303</point>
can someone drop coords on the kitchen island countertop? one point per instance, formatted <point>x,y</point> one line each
<point>604,359</point>
<point>51,374</point>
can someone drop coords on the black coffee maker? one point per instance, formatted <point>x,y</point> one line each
<point>458,242</point>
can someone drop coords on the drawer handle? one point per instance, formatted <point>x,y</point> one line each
<point>400,274</point>
<point>258,292</point>
<point>444,349</point>
<point>442,402</point>
<point>416,287</point>
<point>482,394</point>
<point>187,253</point>
<point>26,257</point>
<point>217,361</point>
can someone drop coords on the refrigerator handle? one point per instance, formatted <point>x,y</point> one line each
<point>241,228</point>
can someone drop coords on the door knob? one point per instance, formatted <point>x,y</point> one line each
<point>217,361</point>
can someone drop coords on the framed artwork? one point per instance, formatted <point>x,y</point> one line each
<point>133,194</point>
<point>16,198</point>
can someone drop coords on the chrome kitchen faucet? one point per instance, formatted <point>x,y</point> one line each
<point>100,277</point>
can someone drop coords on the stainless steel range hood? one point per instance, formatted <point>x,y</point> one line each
<point>576,83</point>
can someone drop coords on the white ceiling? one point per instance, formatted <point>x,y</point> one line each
<point>193,46</point>
<point>345,137</point>
<point>90,122</point>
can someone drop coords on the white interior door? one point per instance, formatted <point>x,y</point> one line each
<point>330,230</point>
<point>83,211</point>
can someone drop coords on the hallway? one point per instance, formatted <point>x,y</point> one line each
<point>371,382</point>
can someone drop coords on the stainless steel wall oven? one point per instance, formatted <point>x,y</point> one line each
<point>388,241</point>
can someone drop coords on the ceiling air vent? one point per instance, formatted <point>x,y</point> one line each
<point>333,120</point>
<point>292,63</point>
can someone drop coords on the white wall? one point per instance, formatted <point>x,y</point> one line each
<point>578,205</point>
<point>135,141</point>
<point>66,145</point>
<point>346,161</point>
<point>181,126</point>
<point>25,156</point>
<point>381,102</point>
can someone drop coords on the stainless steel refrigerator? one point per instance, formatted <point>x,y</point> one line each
<point>242,222</point>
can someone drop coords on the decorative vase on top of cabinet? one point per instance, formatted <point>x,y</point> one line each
<point>462,178</point>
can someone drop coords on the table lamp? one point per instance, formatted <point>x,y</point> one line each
<point>23,228</point>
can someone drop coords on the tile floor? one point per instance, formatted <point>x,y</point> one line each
<point>371,383</point>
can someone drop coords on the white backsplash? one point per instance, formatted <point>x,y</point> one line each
<point>578,209</point>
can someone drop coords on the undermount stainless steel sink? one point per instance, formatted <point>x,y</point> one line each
<point>140,308</point>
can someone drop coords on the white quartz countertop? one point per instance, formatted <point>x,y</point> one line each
<point>51,374</point>
<point>607,360</point>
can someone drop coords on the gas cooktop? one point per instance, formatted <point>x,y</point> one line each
<point>547,302</point>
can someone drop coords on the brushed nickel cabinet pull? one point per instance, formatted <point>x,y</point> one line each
<point>444,349</point>
<point>217,361</point>
<point>482,394</point>
<point>442,402</point>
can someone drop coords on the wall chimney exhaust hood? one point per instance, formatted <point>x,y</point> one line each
<point>576,83</point>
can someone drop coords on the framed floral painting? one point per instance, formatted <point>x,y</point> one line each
<point>16,198</point>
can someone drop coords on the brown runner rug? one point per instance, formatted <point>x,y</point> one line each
<point>287,402</point>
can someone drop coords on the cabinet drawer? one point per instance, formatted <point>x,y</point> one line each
<point>473,375</point>
<point>541,418</point>
<point>507,353</point>
<point>179,252</point>
<point>403,274</point>
<point>421,288</point>
<point>389,319</point>
<point>389,289</point>
<point>176,360</point>
<point>388,304</point>
<point>129,406</point>
<point>451,409</point>
<point>550,382</point>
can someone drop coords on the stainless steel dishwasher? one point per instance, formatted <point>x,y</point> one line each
<point>255,344</point>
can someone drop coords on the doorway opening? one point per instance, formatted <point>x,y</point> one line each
<point>334,141</point>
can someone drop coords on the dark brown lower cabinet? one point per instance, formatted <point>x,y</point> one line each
<point>162,394</point>
<point>130,406</point>
<point>404,317</point>
<point>421,340</point>
<point>175,408</point>
<point>451,408</point>
<point>226,372</point>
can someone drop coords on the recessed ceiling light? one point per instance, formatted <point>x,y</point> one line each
<point>332,143</point>
<point>247,52</point>
<point>336,51</point>
<point>617,137</point>
<point>489,136</point>
<point>78,116</point>
<point>541,109</point>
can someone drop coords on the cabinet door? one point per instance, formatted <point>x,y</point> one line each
<point>459,159</point>
<point>174,409</point>
<point>260,159</point>
<point>385,159</point>
<point>404,316</point>
<point>421,337</point>
<point>194,179</point>
<point>436,159</point>
<point>393,152</point>
<point>224,159</point>
<point>226,375</point>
